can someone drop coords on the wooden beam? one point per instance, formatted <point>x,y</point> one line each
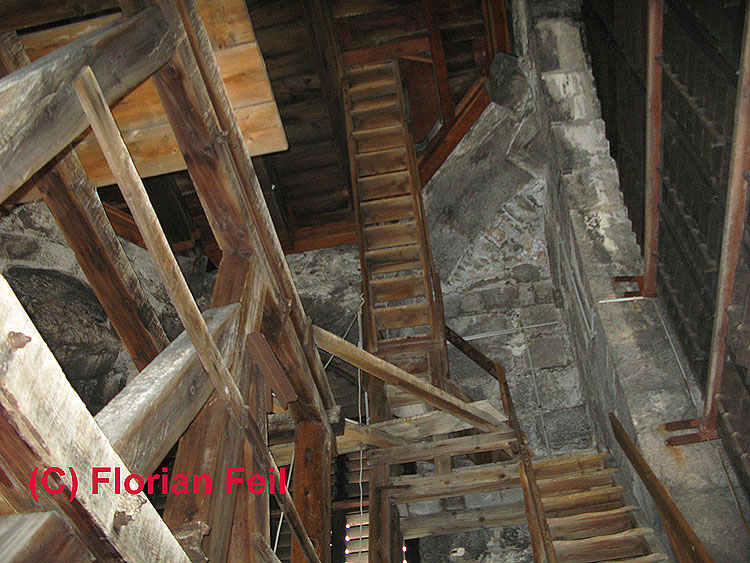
<point>380,515</point>
<point>154,409</point>
<point>469,480</point>
<point>282,426</point>
<point>464,521</point>
<point>386,51</point>
<point>440,67</point>
<point>312,487</point>
<point>471,107</point>
<point>78,211</point>
<point>39,113</point>
<point>104,126</point>
<point>37,408</point>
<point>450,447</point>
<point>224,178</point>
<point>18,14</point>
<point>39,536</point>
<point>404,380</point>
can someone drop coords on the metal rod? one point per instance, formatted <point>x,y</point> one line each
<point>734,223</point>
<point>653,147</point>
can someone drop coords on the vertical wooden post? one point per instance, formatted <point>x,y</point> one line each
<point>734,224</point>
<point>441,68</point>
<point>653,147</point>
<point>312,487</point>
<point>380,515</point>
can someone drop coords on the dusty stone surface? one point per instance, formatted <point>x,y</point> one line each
<point>43,272</point>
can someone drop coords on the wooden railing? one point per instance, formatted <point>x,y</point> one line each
<point>686,545</point>
<point>541,538</point>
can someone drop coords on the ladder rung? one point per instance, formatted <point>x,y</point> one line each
<point>387,209</point>
<point>397,259</point>
<point>388,236</point>
<point>384,185</point>
<point>392,289</point>
<point>381,162</point>
<point>402,316</point>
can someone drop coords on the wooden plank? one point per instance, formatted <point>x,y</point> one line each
<point>224,177</point>
<point>402,316</point>
<point>269,365</point>
<point>78,212</point>
<point>388,236</point>
<point>18,14</point>
<point>156,149</point>
<point>39,536</point>
<point>613,546</point>
<point>450,447</point>
<point>39,113</point>
<point>464,521</point>
<point>37,408</point>
<point>464,481</point>
<point>385,51</point>
<point>389,373</point>
<point>105,128</point>
<point>381,162</point>
<point>388,209</point>
<point>282,426</point>
<point>312,488</point>
<point>402,287</point>
<point>385,185</point>
<point>147,417</point>
<point>581,526</point>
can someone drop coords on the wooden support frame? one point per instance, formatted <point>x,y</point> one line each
<point>403,380</point>
<point>78,211</point>
<point>95,106</point>
<point>37,406</point>
<point>38,109</point>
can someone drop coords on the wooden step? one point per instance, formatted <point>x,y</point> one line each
<point>371,86</point>
<point>578,503</point>
<point>403,316</point>
<point>393,289</point>
<point>612,546</point>
<point>591,524</point>
<point>378,139</point>
<point>568,484</point>
<point>567,465</point>
<point>384,185</point>
<point>375,105</point>
<point>385,115</point>
<point>392,235</point>
<point>387,209</point>
<point>381,162</point>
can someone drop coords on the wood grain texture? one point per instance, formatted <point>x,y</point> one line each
<point>37,407</point>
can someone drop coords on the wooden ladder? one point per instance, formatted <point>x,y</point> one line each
<point>403,318</point>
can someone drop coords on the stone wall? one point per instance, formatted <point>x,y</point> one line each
<point>626,352</point>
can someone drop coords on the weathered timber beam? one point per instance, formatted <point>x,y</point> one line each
<point>404,380</point>
<point>312,487</point>
<point>104,126</point>
<point>37,408</point>
<point>464,481</point>
<point>18,14</point>
<point>223,176</point>
<point>282,426</point>
<point>209,445</point>
<point>464,521</point>
<point>39,536</point>
<point>262,550</point>
<point>79,213</point>
<point>39,113</point>
<point>148,416</point>
<point>450,447</point>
